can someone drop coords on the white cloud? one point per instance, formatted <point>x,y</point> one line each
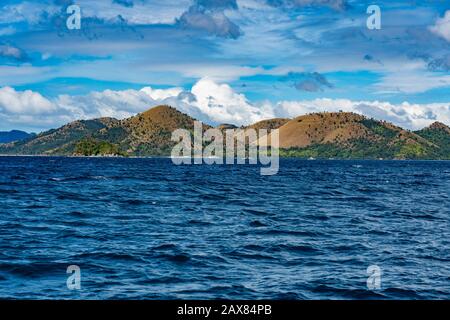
<point>25,102</point>
<point>161,94</point>
<point>25,12</point>
<point>412,82</point>
<point>222,104</point>
<point>207,101</point>
<point>107,103</point>
<point>11,52</point>
<point>30,111</point>
<point>214,22</point>
<point>442,26</point>
<point>141,12</point>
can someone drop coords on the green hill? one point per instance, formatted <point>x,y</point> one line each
<point>439,134</point>
<point>320,135</point>
<point>14,135</point>
<point>61,141</point>
<point>352,136</point>
<point>147,133</point>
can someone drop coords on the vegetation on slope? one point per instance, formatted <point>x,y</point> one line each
<point>150,132</point>
<point>61,141</point>
<point>352,136</point>
<point>439,134</point>
<point>269,124</point>
<point>93,147</point>
<point>339,135</point>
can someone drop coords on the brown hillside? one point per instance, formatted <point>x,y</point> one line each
<point>270,124</point>
<point>439,126</point>
<point>320,128</point>
<point>225,126</point>
<point>153,129</point>
<point>339,128</point>
<point>160,118</point>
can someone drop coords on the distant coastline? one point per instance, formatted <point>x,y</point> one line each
<point>169,157</point>
<point>326,135</point>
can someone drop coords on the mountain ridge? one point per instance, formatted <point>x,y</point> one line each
<point>340,135</point>
<point>14,135</point>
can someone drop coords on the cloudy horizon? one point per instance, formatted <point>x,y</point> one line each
<point>207,101</point>
<point>223,61</point>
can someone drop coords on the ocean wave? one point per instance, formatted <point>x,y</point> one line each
<point>144,228</point>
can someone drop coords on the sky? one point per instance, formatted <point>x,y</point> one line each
<point>223,61</point>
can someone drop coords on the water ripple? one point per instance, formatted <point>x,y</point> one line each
<point>144,228</point>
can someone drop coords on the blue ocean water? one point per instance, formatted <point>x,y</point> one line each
<point>147,229</point>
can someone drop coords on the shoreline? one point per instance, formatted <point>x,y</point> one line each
<point>169,157</point>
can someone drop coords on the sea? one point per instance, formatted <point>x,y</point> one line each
<point>144,228</point>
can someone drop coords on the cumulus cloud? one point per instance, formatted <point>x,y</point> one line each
<point>223,105</point>
<point>30,111</point>
<point>29,102</point>
<point>107,103</point>
<point>209,16</point>
<point>307,81</point>
<point>161,94</point>
<point>207,101</point>
<point>219,103</point>
<point>442,26</point>
<point>12,53</point>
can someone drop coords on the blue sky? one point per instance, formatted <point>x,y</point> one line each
<point>223,60</point>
